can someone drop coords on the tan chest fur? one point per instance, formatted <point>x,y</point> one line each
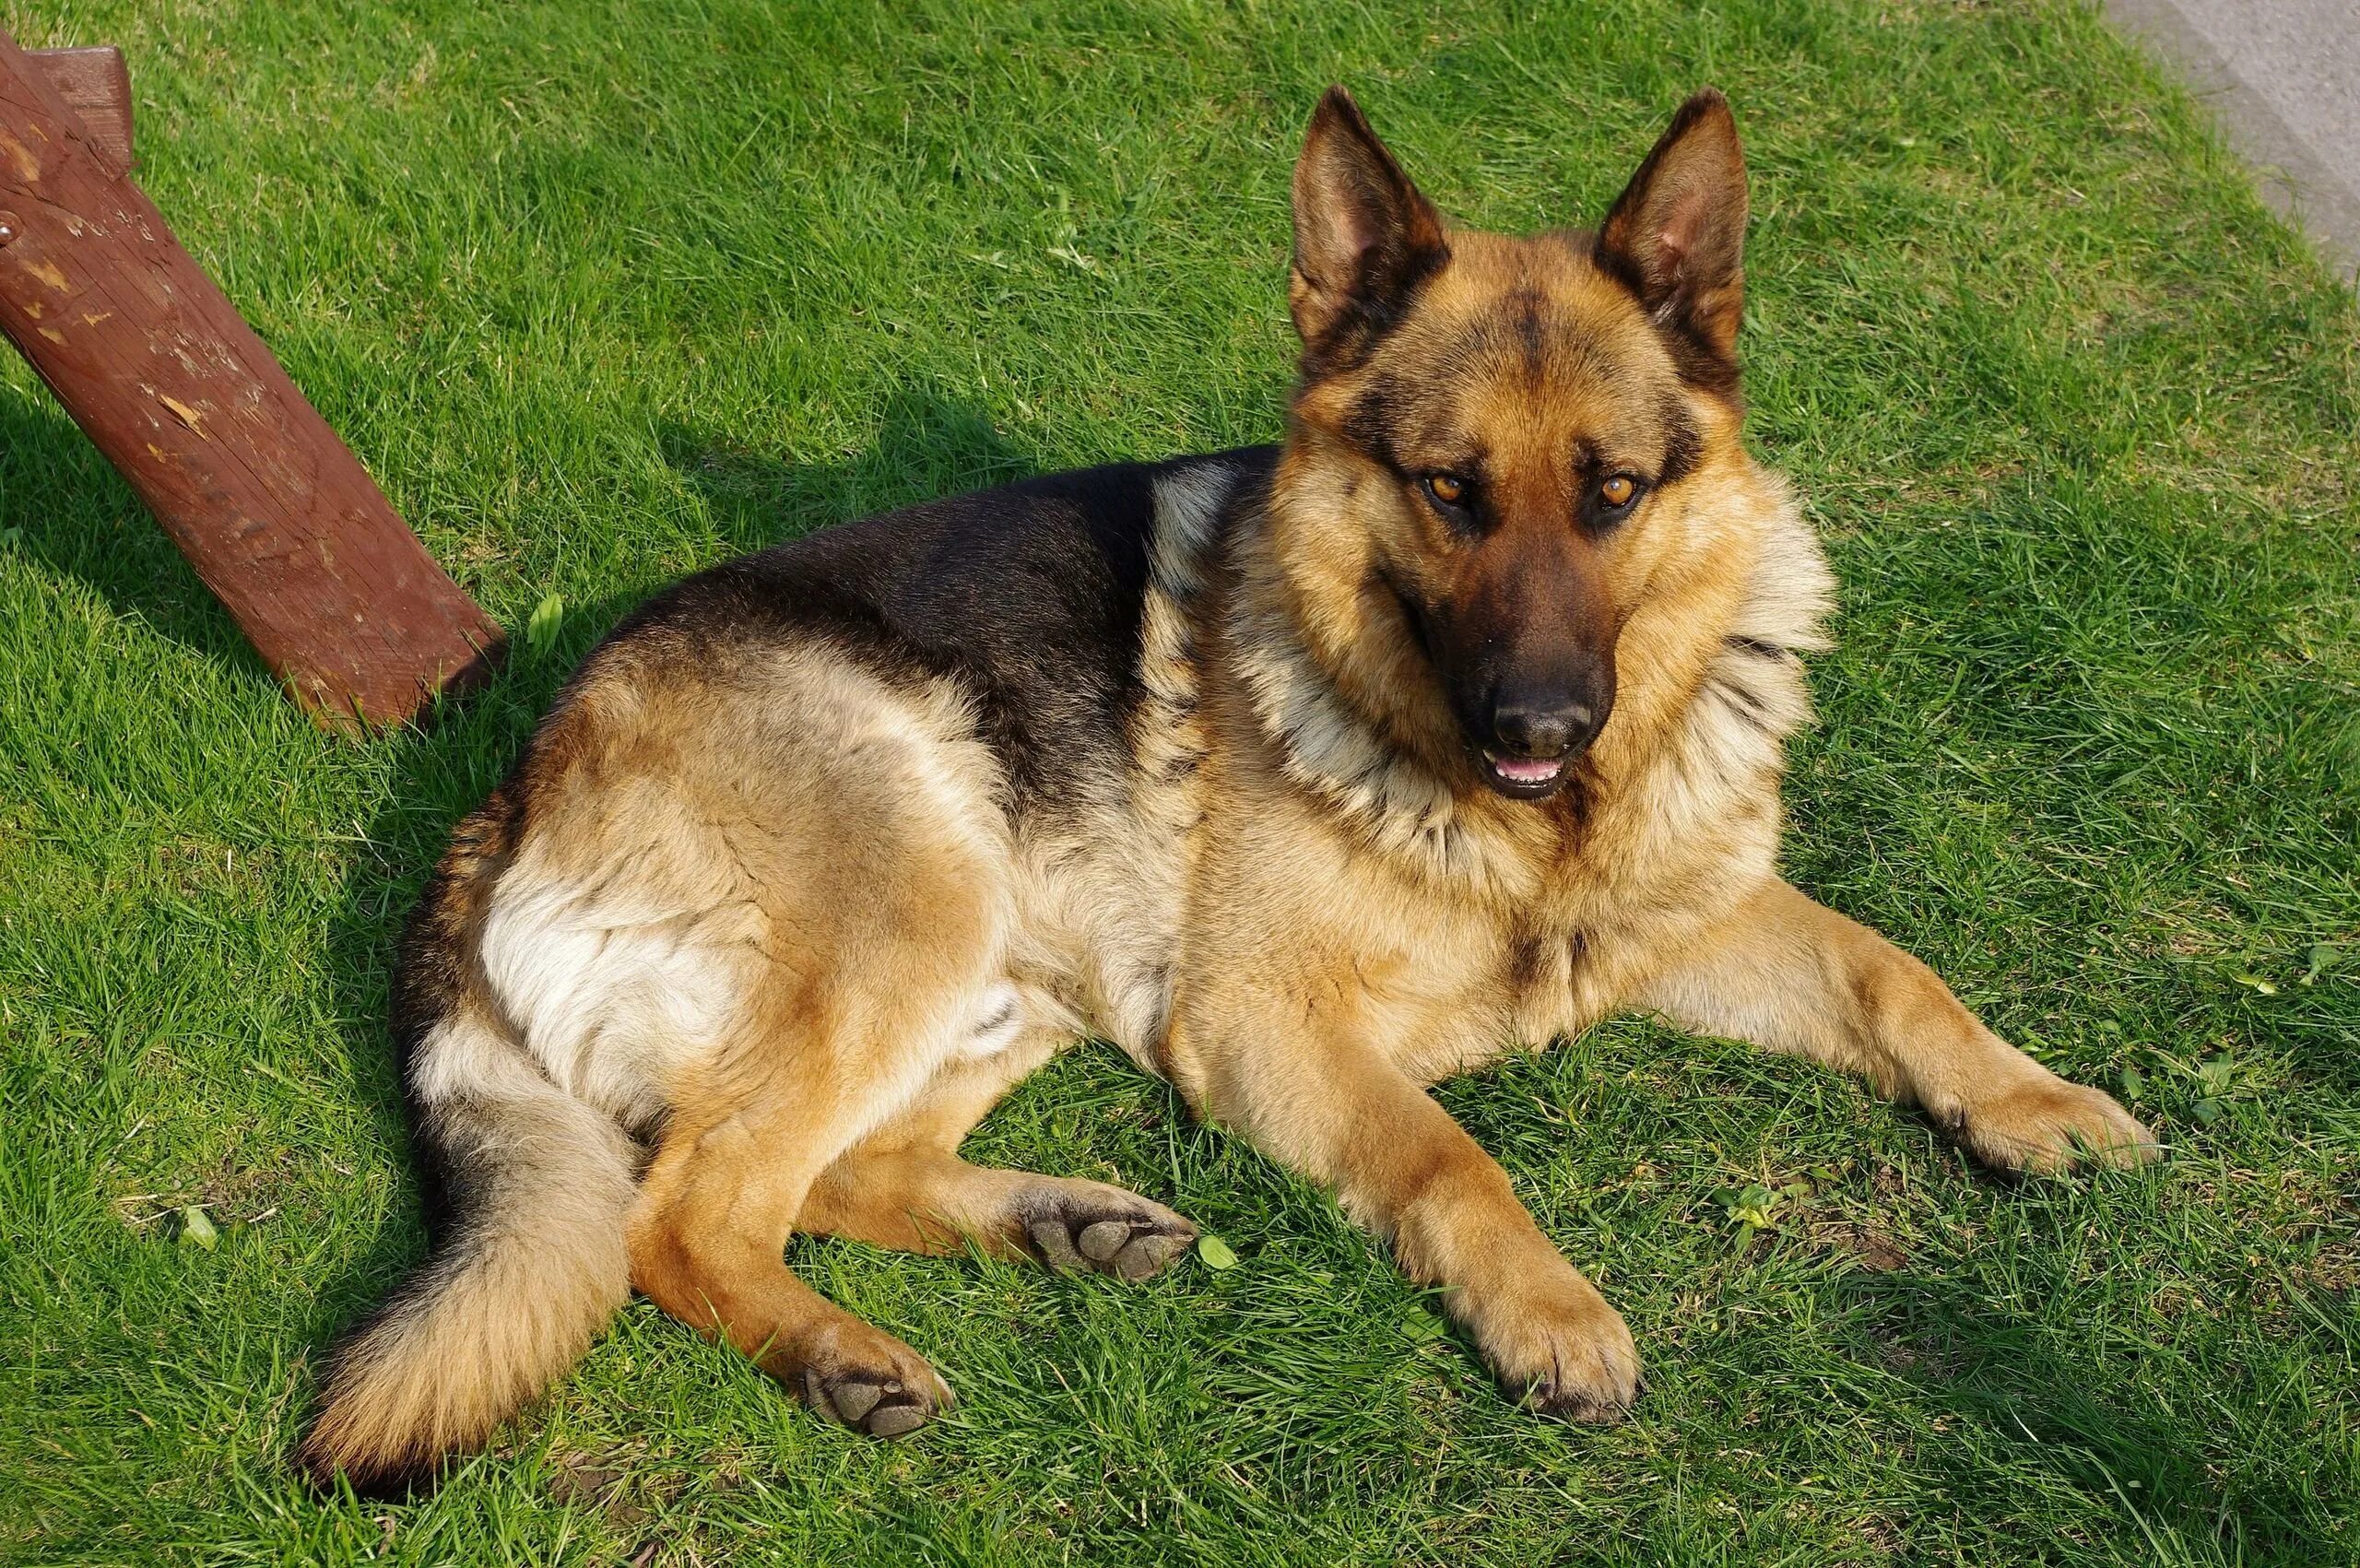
<point>1449,927</point>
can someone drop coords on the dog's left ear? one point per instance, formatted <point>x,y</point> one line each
<point>1677,234</point>
<point>1364,238</point>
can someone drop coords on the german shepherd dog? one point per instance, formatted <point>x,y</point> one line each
<point>1309,774</point>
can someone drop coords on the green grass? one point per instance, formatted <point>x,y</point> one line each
<point>603,292</point>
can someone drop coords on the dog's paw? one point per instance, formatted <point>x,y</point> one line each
<point>1563,1353</point>
<point>868,1380</point>
<point>2049,1125</point>
<point>1076,1225</point>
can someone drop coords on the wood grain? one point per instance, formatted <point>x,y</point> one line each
<point>96,85</point>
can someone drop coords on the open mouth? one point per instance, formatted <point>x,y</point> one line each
<point>1525,778</point>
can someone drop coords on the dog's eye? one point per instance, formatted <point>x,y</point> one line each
<point>1448,488</point>
<point>1617,491</point>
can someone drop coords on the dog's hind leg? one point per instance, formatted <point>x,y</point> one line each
<point>819,1057</point>
<point>706,1242</point>
<point>905,1187</point>
<point>1790,974</point>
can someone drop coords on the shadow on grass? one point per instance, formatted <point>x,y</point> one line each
<point>75,515</point>
<point>2098,1428</point>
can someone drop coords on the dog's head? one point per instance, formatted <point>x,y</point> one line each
<point>1492,433</point>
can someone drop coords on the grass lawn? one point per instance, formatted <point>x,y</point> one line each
<point>602,292</point>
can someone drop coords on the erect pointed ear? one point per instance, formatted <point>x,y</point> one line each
<point>1364,237</point>
<point>1677,234</point>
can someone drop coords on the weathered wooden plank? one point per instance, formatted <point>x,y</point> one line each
<point>158,369</point>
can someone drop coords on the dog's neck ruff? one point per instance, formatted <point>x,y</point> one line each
<point>1323,742</point>
<point>1725,743</point>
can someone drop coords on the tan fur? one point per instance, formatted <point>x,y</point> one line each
<point>769,909</point>
<point>514,1303</point>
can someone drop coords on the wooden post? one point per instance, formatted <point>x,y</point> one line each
<point>277,517</point>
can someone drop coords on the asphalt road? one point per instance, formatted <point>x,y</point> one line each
<point>2283,76</point>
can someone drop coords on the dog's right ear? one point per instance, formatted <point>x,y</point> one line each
<point>1364,237</point>
<point>1677,234</point>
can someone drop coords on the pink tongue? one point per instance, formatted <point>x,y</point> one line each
<point>1517,771</point>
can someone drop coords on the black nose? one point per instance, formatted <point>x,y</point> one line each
<point>1527,729</point>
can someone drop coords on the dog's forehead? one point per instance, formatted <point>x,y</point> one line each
<point>1538,309</point>
<point>1522,344</point>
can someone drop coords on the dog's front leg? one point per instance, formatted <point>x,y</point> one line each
<point>1312,1094</point>
<point>1793,975</point>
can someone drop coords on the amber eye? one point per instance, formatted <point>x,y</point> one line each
<point>1448,488</point>
<point>1618,490</point>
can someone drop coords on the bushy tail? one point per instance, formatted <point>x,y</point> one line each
<point>532,1268</point>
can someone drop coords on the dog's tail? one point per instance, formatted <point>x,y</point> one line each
<point>532,1265</point>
